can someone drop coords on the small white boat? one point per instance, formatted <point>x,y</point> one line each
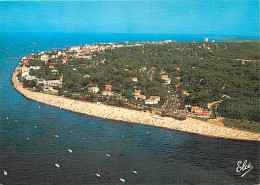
<point>35,126</point>
<point>57,165</point>
<point>69,150</point>
<point>55,135</point>
<point>122,180</point>
<point>28,139</point>
<point>98,175</point>
<point>16,120</point>
<point>107,155</point>
<point>7,118</point>
<point>135,172</point>
<point>5,173</point>
<point>39,106</point>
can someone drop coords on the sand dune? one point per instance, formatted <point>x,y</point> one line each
<point>133,116</point>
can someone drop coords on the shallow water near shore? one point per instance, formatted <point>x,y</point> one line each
<point>158,158</point>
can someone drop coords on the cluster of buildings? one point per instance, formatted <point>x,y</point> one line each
<point>46,84</point>
<point>88,52</point>
<point>137,94</point>
<point>194,111</point>
<point>25,72</point>
<point>151,101</point>
<point>108,90</point>
<point>197,111</point>
<point>63,55</point>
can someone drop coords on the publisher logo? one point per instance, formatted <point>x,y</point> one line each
<point>243,167</point>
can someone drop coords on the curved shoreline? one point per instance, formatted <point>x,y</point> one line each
<point>127,115</point>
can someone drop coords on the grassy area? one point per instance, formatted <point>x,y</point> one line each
<point>243,125</point>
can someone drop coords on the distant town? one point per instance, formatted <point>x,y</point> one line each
<point>170,78</point>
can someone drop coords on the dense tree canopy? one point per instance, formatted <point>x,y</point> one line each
<point>206,70</point>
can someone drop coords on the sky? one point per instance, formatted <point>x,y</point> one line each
<point>212,17</point>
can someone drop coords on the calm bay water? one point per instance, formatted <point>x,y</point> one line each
<point>158,158</point>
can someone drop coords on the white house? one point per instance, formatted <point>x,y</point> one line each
<point>24,74</point>
<point>55,71</point>
<point>93,89</point>
<point>151,102</point>
<point>155,98</point>
<point>76,48</point>
<point>28,77</point>
<point>109,93</point>
<point>44,58</point>
<point>50,83</point>
<point>196,109</point>
<point>35,67</point>
<point>167,80</point>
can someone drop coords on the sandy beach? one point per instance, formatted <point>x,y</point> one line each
<point>122,114</point>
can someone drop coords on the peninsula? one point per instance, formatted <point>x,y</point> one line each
<point>180,86</point>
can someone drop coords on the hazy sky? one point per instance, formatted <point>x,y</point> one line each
<point>219,17</point>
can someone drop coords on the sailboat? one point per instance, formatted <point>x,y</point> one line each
<point>98,174</point>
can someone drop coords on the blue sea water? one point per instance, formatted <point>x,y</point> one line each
<point>158,158</point>
<point>222,17</point>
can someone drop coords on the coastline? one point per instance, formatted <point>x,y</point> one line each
<point>127,115</point>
